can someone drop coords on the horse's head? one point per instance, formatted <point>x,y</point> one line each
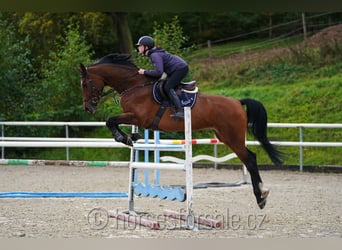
<point>92,87</point>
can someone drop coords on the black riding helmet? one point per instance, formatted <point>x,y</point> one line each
<point>146,41</point>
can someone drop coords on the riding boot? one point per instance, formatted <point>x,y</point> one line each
<point>179,109</point>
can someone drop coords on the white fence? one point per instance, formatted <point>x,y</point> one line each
<point>67,142</point>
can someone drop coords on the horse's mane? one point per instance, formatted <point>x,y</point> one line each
<point>115,58</point>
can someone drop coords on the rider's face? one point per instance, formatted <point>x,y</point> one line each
<point>141,49</point>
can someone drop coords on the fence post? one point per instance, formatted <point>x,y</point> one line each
<point>304,26</point>
<point>209,49</point>
<point>300,149</point>
<point>2,136</point>
<point>67,136</point>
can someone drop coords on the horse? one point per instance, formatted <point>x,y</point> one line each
<point>226,116</point>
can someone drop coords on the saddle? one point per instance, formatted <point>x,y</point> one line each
<point>186,91</point>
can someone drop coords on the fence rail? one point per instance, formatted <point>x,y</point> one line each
<point>67,142</point>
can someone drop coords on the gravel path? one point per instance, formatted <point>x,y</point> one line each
<point>299,205</point>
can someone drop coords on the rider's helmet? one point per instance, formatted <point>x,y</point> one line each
<point>146,40</point>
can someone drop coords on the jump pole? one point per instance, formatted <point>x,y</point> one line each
<point>212,141</point>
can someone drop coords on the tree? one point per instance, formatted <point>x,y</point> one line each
<point>43,28</point>
<point>123,32</point>
<point>99,31</point>
<point>170,36</point>
<point>15,74</point>
<point>60,94</point>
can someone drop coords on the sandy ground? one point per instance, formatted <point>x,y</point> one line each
<point>299,205</point>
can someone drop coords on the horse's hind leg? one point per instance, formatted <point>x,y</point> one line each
<point>249,159</point>
<point>259,190</point>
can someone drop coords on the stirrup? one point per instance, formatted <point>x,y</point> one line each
<point>178,115</point>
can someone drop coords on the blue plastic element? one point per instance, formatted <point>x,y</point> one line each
<point>163,192</point>
<point>63,195</point>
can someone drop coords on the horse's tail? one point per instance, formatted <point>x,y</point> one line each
<point>257,125</point>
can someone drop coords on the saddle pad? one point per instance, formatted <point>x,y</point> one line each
<point>187,99</point>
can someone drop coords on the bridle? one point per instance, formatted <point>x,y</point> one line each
<point>95,94</point>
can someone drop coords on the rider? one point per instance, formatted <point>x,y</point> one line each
<point>174,66</point>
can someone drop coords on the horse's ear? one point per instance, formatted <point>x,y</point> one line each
<point>82,68</point>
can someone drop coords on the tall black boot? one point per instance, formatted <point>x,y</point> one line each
<point>179,109</point>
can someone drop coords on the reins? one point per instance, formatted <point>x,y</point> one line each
<point>132,88</point>
<point>108,92</point>
<point>103,94</point>
<point>135,87</point>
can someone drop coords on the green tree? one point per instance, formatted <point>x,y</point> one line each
<point>15,74</point>
<point>44,28</point>
<point>170,36</point>
<point>123,32</point>
<point>99,31</point>
<point>60,92</point>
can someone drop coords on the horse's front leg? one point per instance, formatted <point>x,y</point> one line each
<point>113,125</point>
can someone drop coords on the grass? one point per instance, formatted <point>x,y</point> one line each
<point>306,92</point>
<point>314,101</point>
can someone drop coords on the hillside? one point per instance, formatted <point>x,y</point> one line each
<point>297,84</point>
<point>296,75</point>
<point>325,38</point>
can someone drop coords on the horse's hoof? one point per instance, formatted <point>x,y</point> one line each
<point>123,138</point>
<point>262,203</point>
<point>264,191</point>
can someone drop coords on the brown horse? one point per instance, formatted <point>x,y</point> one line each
<point>226,116</point>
